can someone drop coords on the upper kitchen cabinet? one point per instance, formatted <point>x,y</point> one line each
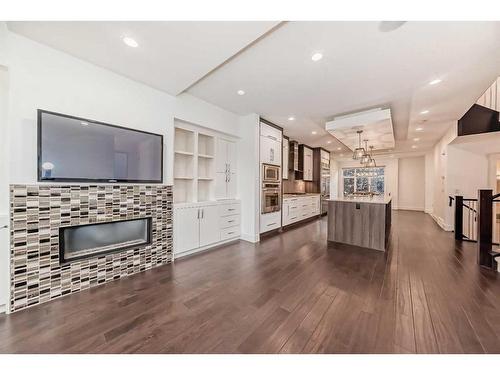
<point>305,163</point>
<point>286,158</point>
<point>270,144</point>
<point>225,169</point>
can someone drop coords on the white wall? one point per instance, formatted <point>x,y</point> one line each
<point>411,183</point>
<point>41,77</point>
<point>249,177</point>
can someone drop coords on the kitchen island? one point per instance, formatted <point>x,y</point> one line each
<point>360,221</point>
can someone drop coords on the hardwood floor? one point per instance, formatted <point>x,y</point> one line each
<point>292,293</point>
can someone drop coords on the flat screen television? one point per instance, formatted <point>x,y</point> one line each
<point>74,149</point>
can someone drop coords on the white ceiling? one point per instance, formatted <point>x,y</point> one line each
<point>375,125</point>
<point>362,68</point>
<point>365,65</point>
<point>171,55</point>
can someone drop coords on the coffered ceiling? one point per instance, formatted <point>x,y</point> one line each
<point>364,65</point>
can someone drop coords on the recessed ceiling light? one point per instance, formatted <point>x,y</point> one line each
<point>328,142</point>
<point>425,111</point>
<point>339,148</point>
<point>419,129</point>
<point>416,139</point>
<point>130,42</point>
<point>240,92</point>
<point>434,81</point>
<point>314,132</point>
<point>414,146</point>
<point>83,123</point>
<point>291,118</point>
<point>316,56</point>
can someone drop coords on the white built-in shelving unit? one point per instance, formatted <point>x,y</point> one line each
<point>194,168</point>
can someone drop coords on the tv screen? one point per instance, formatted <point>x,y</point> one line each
<point>77,149</point>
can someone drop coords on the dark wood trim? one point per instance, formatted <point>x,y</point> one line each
<point>267,122</point>
<point>478,120</point>
<point>485,228</point>
<point>459,212</point>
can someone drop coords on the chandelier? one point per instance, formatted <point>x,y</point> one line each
<point>359,152</point>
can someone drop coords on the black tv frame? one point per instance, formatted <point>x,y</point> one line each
<point>89,180</point>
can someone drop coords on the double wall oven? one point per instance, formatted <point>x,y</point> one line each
<point>271,188</point>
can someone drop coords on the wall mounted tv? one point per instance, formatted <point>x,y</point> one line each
<point>75,149</point>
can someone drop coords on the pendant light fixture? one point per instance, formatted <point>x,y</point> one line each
<point>359,151</point>
<point>366,156</point>
<point>372,162</point>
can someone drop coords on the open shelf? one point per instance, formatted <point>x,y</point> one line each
<point>184,141</point>
<point>183,190</point>
<point>185,153</point>
<point>205,190</point>
<point>206,145</point>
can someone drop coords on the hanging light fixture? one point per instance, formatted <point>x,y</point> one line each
<point>359,151</point>
<point>366,156</point>
<point>371,163</point>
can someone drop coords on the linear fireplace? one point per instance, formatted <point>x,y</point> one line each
<point>89,240</point>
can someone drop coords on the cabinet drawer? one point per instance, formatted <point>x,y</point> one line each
<point>227,233</point>
<point>270,221</point>
<point>229,221</point>
<point>229,209</point>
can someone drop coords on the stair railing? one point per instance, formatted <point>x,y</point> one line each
<point>486,255</point>
<point>465,218</point>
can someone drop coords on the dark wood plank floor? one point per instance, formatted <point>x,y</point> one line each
<point>292,293</point>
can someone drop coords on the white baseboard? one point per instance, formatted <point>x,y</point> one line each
<point>203,248</point>
<point>441,223</point>
<point>250,237</point>
<point>409,208</point>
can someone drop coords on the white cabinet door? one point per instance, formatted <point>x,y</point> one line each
<point>308,164</point>
<point>270,151</point>
<point>225,176</point>
<point>220,185</point>
<point>231,186</point>
<point>186,229</point>
<point>231,157</point>
<point>221,156</point>
<point>286,151</point>
<point>209,225</point>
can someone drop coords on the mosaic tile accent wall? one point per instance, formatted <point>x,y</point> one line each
<point>37,212</point>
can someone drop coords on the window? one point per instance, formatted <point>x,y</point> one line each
<point>363,180</point>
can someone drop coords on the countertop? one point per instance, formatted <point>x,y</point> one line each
<point>291,195</point>
<point>379,200</point>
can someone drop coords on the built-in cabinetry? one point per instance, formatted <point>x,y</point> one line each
<point>297,208</point>
<point>305,163</point>
<point>270,144</point>
<point>206,212</point>
<point>194,172</point>
<point>225,174</point>
<point>271,140</point>
<point>204,165</point>
<point>286,157</point>
<point>198,226</point>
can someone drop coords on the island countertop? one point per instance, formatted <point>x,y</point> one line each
<point>380,200</point>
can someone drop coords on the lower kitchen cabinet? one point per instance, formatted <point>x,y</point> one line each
<point>199,226</point>
<point>299,208</point>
